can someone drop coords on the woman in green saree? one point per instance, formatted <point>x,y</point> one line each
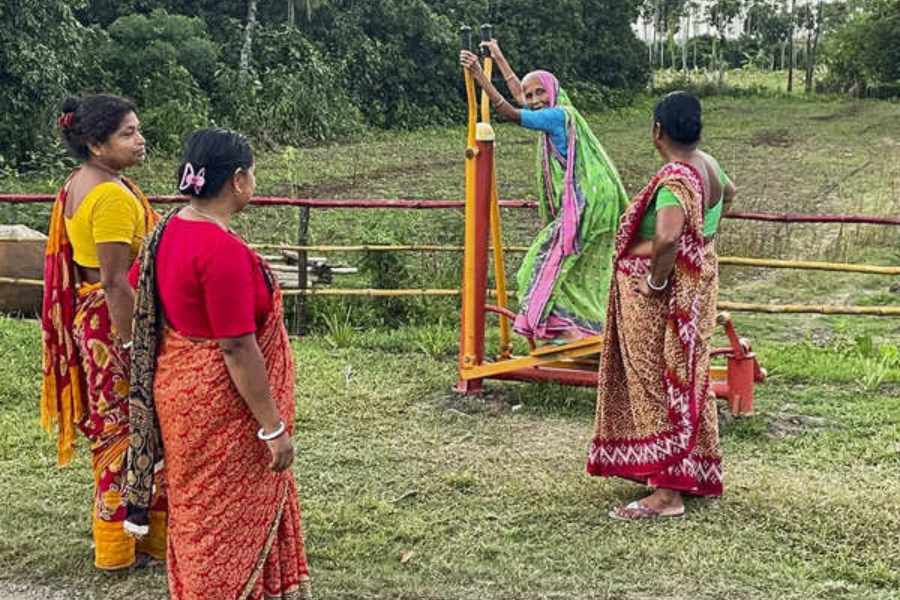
<point>564,279</point>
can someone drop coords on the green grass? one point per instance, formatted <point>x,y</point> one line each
<point>746,81</point>
<point>490,495</point>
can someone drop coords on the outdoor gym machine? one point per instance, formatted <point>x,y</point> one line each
<point>575,363</point>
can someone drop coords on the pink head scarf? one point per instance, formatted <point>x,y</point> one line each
<point>571,212</point>
<point>550,83</point>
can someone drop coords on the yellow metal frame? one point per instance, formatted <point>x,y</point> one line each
<point>545,356</point>
<point>467,356</point>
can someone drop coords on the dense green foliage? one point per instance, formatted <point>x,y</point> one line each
<point>865,52</point>
<point>44,53</point>
<point>328,69</point>
<point>317,70</point>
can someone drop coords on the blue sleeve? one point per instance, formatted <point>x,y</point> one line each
<point>548,120</point>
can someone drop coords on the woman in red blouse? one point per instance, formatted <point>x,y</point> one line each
<point>212,365</point>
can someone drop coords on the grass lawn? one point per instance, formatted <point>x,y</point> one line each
<point>488,499</point>
<point>410,492</point>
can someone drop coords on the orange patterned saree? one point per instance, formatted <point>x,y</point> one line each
<point>234,525</point>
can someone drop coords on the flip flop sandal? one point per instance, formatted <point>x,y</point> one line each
<point>635,511</point>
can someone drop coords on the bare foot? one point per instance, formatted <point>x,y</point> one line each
<point>567,336</point>
<point>572,335</point>
<point>663,499</point>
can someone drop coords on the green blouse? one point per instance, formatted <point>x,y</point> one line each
<point>665,197</point>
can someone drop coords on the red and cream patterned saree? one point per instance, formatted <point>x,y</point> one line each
<point>656,422</point>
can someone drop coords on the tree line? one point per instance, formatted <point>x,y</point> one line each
<point>860,38</point>
<point>289,71</point>
<point>295,71</point>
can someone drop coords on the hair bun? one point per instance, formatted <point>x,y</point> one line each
<point>679,114</point>
<point>70,104</point>
<point>690,126</point>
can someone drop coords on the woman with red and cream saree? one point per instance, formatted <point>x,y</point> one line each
<point>656,422</point>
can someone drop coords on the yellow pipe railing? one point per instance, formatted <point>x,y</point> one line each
<point>736,261</point>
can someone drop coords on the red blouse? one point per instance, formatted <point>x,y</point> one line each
<point>210,283</point>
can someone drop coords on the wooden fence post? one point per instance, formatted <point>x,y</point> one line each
<point>302,281</point>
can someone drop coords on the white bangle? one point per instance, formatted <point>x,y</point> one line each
<point>653,287</point>
<point>127,345</point>
<point>268,437</point>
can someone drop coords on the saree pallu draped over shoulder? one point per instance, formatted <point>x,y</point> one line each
<point>656,422</point>
<point>564,277</point>
<point>234,525</point>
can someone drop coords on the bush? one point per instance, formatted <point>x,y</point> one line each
<point>588,44</point>
<point>398,57</point>
<point>292,96</point>
<point>865,51</point>
<point>386,63</point>
<point>45,53</point>
<point>166,77</point>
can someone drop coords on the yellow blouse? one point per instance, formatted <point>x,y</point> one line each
<point>109,213</point>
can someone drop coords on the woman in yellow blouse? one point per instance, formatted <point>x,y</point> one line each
<point>98,223</point>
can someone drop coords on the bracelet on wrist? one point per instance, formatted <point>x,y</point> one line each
<point>127,345</point>
<point>272,435</point>
<point>656,288</point>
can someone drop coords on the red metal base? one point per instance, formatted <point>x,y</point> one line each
<point>469,387</point>
<point>738,386</point>
<point>737,389</point>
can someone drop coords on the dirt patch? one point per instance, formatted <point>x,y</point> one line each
<point>786,424</point>
<point>774,138</point>
<point>327,189</point>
